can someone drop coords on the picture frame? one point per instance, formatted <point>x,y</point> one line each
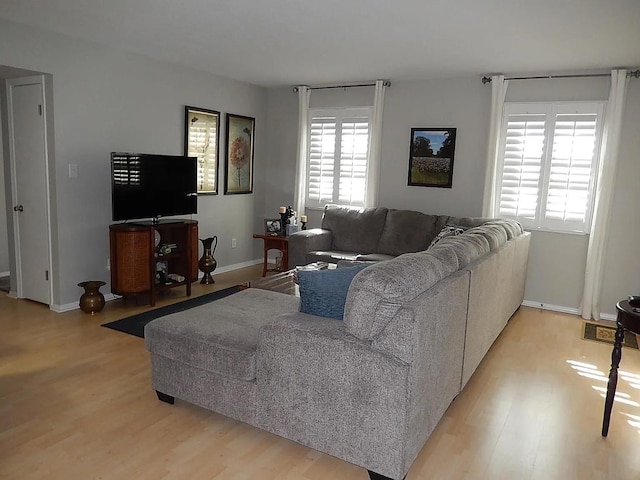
<point>239,158</point>
<point>272,226</point>
<point>201,140</point>
<point>431,155</point>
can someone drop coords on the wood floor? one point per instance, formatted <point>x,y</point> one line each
<point>76,403</point>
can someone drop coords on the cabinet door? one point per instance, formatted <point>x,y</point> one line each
<point>130,260</point>
<point>193,238</point>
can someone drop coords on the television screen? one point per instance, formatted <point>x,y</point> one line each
<point>152,186</point>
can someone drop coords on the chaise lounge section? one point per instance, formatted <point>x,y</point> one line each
<point>370,388</point>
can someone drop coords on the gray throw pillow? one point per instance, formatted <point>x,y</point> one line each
<point>447,231</point>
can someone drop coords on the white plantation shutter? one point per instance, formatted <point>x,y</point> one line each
<point>571,170</point>
<point>549,155</point>
<point>338,154</point>
<point>322,147</point>
<point>523,151</point>
<point>353,161</point>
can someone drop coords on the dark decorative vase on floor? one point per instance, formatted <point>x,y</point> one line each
<point>207,263</point>
<point>92,300</point>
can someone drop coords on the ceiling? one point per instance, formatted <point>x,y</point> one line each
<point>284,42</point>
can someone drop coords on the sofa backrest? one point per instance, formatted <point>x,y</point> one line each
<point>354,229</point>
<point>378,292</point>
<point>408,231</point>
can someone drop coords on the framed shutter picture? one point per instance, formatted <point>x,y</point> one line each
<point>239,160</point>
<point>201,139</point>
<point>431,153</point>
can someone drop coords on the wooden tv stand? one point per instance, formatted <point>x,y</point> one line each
<point>135,256</point>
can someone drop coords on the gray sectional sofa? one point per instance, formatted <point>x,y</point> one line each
<point>371,388</point>
<point>369,234</point>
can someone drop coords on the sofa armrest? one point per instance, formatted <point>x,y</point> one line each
<point>324,388</point>
<point>305,241</point>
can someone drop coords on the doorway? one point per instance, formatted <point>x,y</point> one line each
<point>27,186</point>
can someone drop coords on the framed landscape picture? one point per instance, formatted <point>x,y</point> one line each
<point>431,154</point>
<point>239,163</point>
<point>201,134</point>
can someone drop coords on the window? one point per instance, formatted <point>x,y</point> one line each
<point>549,156</point>
<point>337,157</point>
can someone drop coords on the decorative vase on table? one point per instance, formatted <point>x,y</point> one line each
<point>207,263</point>
<point>92,300</point>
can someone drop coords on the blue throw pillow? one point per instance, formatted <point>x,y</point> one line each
<point>324,292</point>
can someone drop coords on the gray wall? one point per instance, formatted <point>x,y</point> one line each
<point>283,144</point>
<point>108,100</point>
<point>556,265</point>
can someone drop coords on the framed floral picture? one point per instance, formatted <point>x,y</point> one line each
<point>239,162</point>
<point>431,157</point>
<point>201,134</point>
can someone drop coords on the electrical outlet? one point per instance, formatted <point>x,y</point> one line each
<point>233,243</point>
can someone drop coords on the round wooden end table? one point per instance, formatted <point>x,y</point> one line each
<point>628,319</point>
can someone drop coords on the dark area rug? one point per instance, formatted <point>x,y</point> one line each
<point>134,325</point>
<point>600,333</point>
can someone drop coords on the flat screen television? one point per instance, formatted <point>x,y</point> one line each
<point>146,186</point>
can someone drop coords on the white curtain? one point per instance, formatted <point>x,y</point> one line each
<point>498,92</point>
<point>300,194</point>
<point>375,142</point>
<point>604,195</point>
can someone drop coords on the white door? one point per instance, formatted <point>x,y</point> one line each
<point>28,157</point>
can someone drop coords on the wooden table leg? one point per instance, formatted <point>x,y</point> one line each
<point>616,355</point>
<point>264,261</point>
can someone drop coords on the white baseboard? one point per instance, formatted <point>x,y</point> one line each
<point>67,307</point>
<point>236,266</point>
<point>548,306</point>
<point>5,274</point>
<point>562,309</point>
<point>612,317</point>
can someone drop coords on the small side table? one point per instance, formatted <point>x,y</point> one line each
<point>627,319</point>
<point>275,242</point>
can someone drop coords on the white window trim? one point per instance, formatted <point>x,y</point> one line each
<point>340,113</point>
<point>551,109</point>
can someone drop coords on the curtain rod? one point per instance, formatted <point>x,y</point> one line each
<point>634,73</point>
<point>386,83</point>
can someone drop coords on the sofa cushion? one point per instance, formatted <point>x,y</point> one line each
<point>408,231</point>
<point>354,229</point>
<point>511,227</point>
<point>221,336</point>
<point>467,246</point>
<point>379,291</point>
<point>495,234</point>
<point>324,292</point>
<point>469,221</point>
<point>446,254</point>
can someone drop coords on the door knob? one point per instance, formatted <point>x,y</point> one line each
<point>18,208</point>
